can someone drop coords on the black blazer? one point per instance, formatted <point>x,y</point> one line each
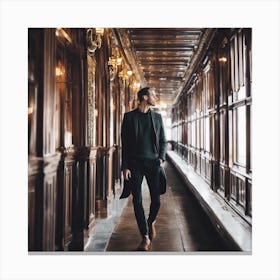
<point>129,135</point>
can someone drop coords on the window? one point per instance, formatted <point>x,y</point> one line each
<point>238,65</point>
<point>222,136</point>
<point>241,135</point>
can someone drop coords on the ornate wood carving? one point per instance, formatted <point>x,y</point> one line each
<point>91,101</point>
<point>124,41</point>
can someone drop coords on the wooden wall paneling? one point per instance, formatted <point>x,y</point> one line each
<point>49,91</point>
<point>42,167</point>
<point>77,100</point>
<point>64,200</point>
<point>99,133</point>
<point>42,203</point>
<point>92,134</point>
<point>100,203</point>
<point>49,203</point>
<point>91,188</point>
<point>35,90</point>
<point>114,128</point>
<point>117,121</point>
<point>79,199</point>
<point>73,181</point>
<point>35,179</point>
<point>104,159</point>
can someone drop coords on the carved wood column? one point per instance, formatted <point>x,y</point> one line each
<point>91,212</point>
<point>79,198</point>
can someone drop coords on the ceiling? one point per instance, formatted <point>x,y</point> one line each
<point>164,58</point>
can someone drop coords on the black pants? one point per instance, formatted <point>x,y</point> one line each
<point>150,169</point>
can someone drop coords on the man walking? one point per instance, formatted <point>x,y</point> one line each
<point>143,151</point>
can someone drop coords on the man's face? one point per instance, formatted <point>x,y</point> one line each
<point>152,98</point>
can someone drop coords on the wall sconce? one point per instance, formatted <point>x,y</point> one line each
<point>113,63</point>
<point>59,70</point>
<point>95,43</point>
<point>222,59</point>
<point>30,111</point>
<point>125,74</point>
<point>135,86</point>
<point>63,35</point>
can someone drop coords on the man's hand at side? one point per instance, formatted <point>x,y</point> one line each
<point>126,174</point>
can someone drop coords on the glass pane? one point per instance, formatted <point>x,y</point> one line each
<point>242,93</point>
<point>193,134</point>
<point>241,135</point>
<point>207,136</point>
<point>222,156</point>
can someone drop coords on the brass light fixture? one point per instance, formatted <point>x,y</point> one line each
<point>63,36</point>
<point>113,63</point>
<point>94,43</point>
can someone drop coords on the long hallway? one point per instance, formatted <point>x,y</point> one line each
<point>198,83</point>
<point>182,226</point>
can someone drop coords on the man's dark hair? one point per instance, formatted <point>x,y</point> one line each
<point>142,92</point>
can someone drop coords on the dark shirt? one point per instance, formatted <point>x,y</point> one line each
<point>146,137</point>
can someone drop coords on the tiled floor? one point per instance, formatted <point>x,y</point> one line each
<point>181,224</point>
<point>103,228</point>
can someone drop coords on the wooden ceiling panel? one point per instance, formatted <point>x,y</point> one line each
<point>164,57</point>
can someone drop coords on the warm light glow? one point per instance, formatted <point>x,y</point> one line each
<point>135,85</point>
<point>114,61</point>
<point>30,110</point>
<point>58,71</point>
<point>68,138</point>
<point>99,31</point>
<point>129,72</point>
<point>223,59</point>
<point>119,61</point>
